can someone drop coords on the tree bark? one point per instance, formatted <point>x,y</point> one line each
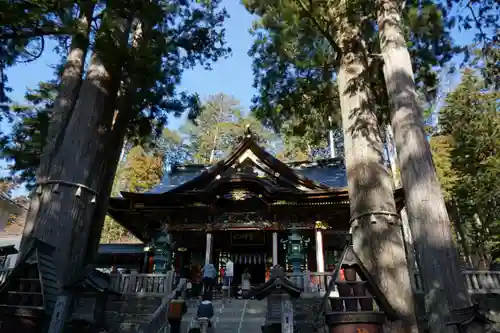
<point>430,226</point>
<point>71,80</point>
<point>122,118</point>
<point>376,232</point>
<point>66,211</point>
<point>405,226</point>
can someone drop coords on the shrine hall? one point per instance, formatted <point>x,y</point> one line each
<point>244,208</point>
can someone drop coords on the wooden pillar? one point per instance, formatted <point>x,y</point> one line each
<point>275,248</point>
<point>320,258</point>
<point>208,250</point>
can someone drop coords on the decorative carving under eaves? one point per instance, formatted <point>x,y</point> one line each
<point>226,220</point>
<point>239,195</point>
<point>255,220</point>
<point>321,225</point>
<point>242,220</point>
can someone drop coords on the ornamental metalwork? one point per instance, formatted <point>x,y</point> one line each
<point>239,195</point>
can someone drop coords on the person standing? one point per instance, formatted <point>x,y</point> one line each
<point>222,272</point>
<point>205,312</point>
<point>245,282</point>
<point>229,274</point>
<point>209,276</point>
<point>177,309</point>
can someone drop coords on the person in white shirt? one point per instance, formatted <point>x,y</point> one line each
<point>245,281</point>
<point>228,275</point>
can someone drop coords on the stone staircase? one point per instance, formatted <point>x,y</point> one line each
<point>235,316</point>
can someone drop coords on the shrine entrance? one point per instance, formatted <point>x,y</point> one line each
<point>247,250</point>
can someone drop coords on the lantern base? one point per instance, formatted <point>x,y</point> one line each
<point>355,322</point>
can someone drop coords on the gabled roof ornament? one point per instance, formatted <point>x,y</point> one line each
<point>277,281</point>
<point>248,131</point>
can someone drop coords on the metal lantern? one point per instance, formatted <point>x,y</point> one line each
<point>295,251</point>
<point>162,251</point>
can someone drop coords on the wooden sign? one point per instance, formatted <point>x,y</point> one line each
<point>246,238</point>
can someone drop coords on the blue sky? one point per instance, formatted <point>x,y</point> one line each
<point>232,76</point>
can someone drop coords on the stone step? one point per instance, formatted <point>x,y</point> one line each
<point>235,316</point>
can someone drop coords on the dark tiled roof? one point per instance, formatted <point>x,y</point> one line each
<point>330,172</point>
<point>8,250</point>
<point>178,176</point>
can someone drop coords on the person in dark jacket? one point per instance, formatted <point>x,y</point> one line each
<point>205,309</point>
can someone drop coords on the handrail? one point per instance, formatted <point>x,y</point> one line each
<point>159,318</point>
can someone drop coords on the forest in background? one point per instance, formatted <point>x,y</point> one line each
<point>318,65</point>
<point>470,191</point>
<point>355,65</point>
<point>295,75</point>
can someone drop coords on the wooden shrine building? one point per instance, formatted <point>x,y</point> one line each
<point>244,208</point>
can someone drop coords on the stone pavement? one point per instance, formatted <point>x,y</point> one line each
<point>236,316</point>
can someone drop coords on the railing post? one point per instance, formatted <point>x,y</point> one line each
<point>306,280</point>
<point>133,283</point>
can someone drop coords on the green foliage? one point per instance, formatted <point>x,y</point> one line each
<point>177,35</point>
<point>142,170</point>
<point>295,60</point>
<point>441,148</point>
<point>173,147</point>
<point>471,121</point>
<point>483,18</point>
<point>24,25</point>
<point>219,127</point>
<point>293,71</point>
<point>24,144</point>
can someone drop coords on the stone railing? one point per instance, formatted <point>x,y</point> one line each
<point>478,282</point>
<point>154,284</point>
<point>142,283</point>
<point>311,281</point>
<point>4,272</point>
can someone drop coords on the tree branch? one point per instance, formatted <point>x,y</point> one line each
<point>329,38</point>
<point>32,33</point>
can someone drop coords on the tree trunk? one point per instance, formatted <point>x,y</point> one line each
<point>375,228</point>
<point>405,226</point>
<point>77,177</point>
<point>122,119</point>
<point>71,80</point>
<point>430,226</point>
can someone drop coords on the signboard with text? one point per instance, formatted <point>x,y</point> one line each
<point>246,238</point>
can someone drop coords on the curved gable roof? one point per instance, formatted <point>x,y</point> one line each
<point>324,175</point>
